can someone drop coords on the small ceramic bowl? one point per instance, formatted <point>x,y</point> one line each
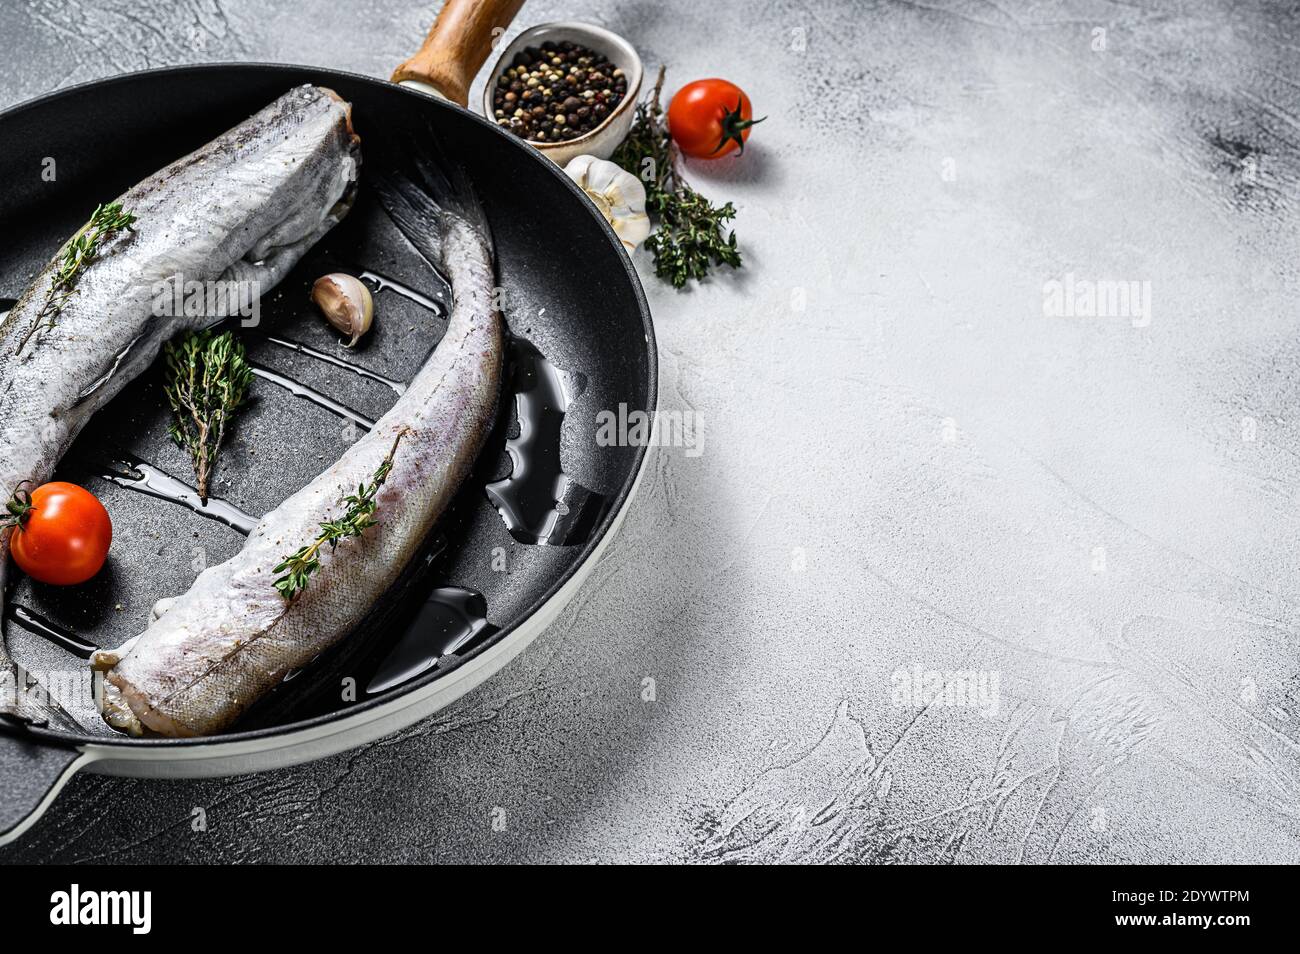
<point>604,139</point>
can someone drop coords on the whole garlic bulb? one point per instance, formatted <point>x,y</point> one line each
<point>618,194</point>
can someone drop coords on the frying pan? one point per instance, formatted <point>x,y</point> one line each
<point>569,292</point>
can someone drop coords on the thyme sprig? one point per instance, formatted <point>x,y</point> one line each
<point>105,222</point>
<point>356,520</point>
<point>207,381</point>
<point>691,238</point>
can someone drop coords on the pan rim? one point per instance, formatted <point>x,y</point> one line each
<point>620,500</point>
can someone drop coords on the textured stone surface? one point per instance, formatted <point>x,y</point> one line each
<point>906,464</point>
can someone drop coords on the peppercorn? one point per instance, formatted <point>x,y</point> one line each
<point>582,86</point>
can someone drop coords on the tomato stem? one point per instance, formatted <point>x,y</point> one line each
<point>19,508</point>
<point>733,126</point>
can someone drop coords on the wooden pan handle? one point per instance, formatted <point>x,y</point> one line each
<point>457,45</point>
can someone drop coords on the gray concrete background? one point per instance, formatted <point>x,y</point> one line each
<point>906,463</point>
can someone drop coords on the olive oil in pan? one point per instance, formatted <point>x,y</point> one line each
<point>539,503</point>
<point>397,387</point>
<point>384,283</point>
<point>446,623</point>
<point>298,389</point>
<point>147,479</point>
<point>34,622</point>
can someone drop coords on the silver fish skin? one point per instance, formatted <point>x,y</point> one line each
<point>232,637</point>
<point>244,207</point>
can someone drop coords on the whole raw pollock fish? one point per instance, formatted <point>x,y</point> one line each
<point>243,208</point>
<point>233,636</point>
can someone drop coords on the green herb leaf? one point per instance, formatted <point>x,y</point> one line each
<point>207,381</point>
<point>105,222</point>
<point>359,517</point>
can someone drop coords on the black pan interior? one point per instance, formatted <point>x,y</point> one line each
<point>567,289</point>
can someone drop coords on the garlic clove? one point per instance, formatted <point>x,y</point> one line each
<point>346,303</point>
<point>632,229</point>
<point>619,195</point>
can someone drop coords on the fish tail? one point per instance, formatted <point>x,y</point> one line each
<point>426,196</point>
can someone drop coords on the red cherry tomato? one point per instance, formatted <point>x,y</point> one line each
<point>63,533</point>
<point>710,118</point>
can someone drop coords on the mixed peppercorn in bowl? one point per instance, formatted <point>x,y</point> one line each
<point>557,91</point>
